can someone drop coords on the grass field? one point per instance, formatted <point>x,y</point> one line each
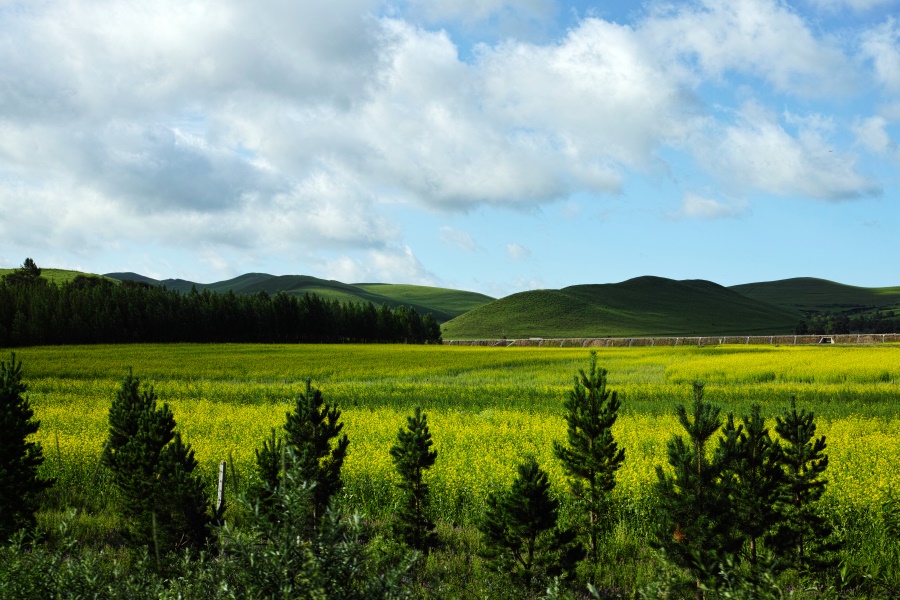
<point>487,407</point>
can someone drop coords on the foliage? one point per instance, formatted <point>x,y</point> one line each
<point>520,529</point>
<point>592,456</point>
<point>313,433</point>
<point>412,456</point>
<point>803,536</point>
<point>94,310</point>
<point>695,526</point>
<point>757,479</point>
<point>153,469</point>
<point>280,557</point>
<point>20,458</point>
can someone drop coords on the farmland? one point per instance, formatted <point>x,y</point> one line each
<point>487,408</point>
<point>502,402</point>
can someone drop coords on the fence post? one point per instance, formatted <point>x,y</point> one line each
<point>220,490</point>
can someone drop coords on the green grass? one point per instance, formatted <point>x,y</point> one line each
<point>442,303</point>
<point>645,306</point>
<point>451,302</point>
<point>820,295</point>
<point>58,276</point>
<point>486,408</point>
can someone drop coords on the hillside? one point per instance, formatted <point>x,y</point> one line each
<point>644,306</point>
<point>808,294</point>
<point>443,304</point>
<point>56,275</point>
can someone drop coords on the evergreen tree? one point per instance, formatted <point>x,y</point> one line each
<point>154,471</point>
<point>412,455</point>
<point>520,529</point>
<point>592,456</point>
<point>696,529</point>
<point>757,478</point>
<point>803,536</point>
<point>310,431</point>
<point>269,468</point>
<point>19,458</point>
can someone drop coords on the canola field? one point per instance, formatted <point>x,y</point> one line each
<point>487,408</point>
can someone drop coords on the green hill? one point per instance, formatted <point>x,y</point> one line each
<point>808,294</point>
<point>443,303</point>
<point>57,275</point>
<point>645,306</point>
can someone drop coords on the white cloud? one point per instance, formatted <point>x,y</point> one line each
<point>473,11</point>
<point>881,45</point>
<point>871,135</point>
<point>764,38</point>
<point>517,251</point>
<point>460,239</point>
<point>857,5</point>
<point>757,152</point>
<point>395,264</point>
<point>698,207</point>
<point>280,127</point>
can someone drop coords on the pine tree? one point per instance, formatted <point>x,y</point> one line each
<point>412,456</point>
<point>696,528</point>
<point>592,456</point>
<point>154,470</point>
<point>310,429</point>
<point>520,529</point>
<point>757,477</point>
<point>803,536</point>
<point>19,458</point>
<point>269,467</point>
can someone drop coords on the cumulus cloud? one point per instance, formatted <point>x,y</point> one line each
<point>872,135</point>
<point>396,264</point>
<point>470,12</point>
<point>758,152</point>
<point>857,5</point>
<point>697,207</point>
<point>881,45</point>
<point>284,127</point>
<point>763,38</point>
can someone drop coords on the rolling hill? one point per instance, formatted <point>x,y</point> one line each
<point>444,304</point>
<point>644,306</point>
<point>808,294</point>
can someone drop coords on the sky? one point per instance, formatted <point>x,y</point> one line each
<point>485,145</point>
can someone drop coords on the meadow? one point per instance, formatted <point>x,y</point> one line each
<point>487,408</point>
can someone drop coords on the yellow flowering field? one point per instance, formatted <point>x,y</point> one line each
<point>487,407</point>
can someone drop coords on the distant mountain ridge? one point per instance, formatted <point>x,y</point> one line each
<point>643,306</point>
<point>812,295</point>
<point>444,304</point>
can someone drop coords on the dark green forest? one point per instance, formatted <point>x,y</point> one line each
<point>95,310</point>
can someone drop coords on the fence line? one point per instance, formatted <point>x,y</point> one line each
<point>778,340</point>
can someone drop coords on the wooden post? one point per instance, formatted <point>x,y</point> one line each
<point>220,490</point>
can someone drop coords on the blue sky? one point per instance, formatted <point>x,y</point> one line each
<point>487,145</point>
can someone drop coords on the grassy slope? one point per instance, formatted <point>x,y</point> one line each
<point>452,302</point>
<point>57,275</point>
<point>820,295</point>
<point>638,307</point>
<point>444,304</point>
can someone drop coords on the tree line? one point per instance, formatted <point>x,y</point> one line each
<point>91,310</point>
<point>728,517</point>
<point>837,324</point>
